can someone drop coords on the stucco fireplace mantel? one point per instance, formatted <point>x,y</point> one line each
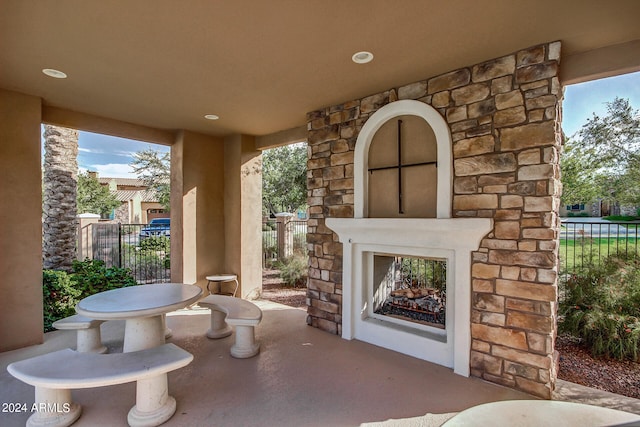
<point>450,233</point>
<point>452,239</point>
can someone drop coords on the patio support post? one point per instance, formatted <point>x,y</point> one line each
<point>243,213</point>
<point>21,225</point>
<point>197,208</point>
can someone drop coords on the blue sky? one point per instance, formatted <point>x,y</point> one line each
<point>110,156</point>
<point>584,99</point>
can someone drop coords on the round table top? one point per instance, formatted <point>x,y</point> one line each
<point>138,301</point>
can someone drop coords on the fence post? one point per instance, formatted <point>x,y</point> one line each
<point>84,221</point>
<point>284,232</point>
<point>119,245</point>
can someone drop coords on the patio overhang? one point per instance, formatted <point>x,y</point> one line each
<point>152,70</point>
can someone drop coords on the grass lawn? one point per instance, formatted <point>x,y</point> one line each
<point>576,253</point>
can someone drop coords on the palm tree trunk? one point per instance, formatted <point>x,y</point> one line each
<point>60,180</point>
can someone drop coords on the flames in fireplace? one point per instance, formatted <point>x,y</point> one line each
<point>411,289</point>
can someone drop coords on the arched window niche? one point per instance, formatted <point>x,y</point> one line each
<point>402,163</point>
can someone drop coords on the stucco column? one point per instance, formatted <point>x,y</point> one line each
<point>243,213</point>
<point>20,221</point>
<point>197,208</point>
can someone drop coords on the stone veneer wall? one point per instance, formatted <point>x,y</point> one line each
<point>504,117</point>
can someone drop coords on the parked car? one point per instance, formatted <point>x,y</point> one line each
<point>157,227</point>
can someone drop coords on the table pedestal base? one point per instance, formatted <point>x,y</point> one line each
<point>142,333</point>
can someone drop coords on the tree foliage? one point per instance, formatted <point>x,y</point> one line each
<point>154,168</point>
<point>93,197</point>
<point>284,178</point>
<point>602,161</point>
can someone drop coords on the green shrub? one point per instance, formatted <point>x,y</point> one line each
<point>146,265</point>
<point>602,306</point>
<point>59,297</point>
<point>156,243</point>
<point>61,291</point>
<point>91,277</point>
<point>294,270</point>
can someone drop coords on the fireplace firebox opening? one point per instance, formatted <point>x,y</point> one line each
<point>410,289</point>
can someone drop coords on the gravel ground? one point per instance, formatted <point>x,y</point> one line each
<point>273,289</point>
<point>576,363</point>
<point>578,366</point>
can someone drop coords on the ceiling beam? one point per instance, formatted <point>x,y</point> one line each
<point>596,64</point>
<point>90,123</point>
<point>284,137</point>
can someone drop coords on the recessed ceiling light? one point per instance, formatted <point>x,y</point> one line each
<point>211,117</point>
<point>57,74</point>
<point>362,57</point>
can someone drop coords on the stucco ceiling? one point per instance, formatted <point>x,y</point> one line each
<point>261,65</point>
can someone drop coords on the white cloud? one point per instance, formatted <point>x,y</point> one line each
<point>121,153</point>
<point>114,170</point>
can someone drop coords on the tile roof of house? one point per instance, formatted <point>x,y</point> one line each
<point>126,195</point>
<point>137,182</point>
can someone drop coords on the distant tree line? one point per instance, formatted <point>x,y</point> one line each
<point>602,160</point>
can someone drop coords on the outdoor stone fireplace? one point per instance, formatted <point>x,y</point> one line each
<point>416,223</point>
<point>478,192</point>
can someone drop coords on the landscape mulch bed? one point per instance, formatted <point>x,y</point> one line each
<point>274,289</point>
<point>577,365</point>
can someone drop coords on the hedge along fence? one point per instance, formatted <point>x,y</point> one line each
<point>61,291</point>
<point>121,245</point>
<point>587,244</point>
<point>601,306</point>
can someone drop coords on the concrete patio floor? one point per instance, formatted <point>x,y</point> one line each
<point>302,377</point>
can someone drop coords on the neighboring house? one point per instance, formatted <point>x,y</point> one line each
<point>139,205</point>
<point>580,209</point>
<point>598,208</point>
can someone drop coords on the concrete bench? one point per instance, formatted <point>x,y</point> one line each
<point>55,374</point>
<point>87,330</point>
<point>242,314</point>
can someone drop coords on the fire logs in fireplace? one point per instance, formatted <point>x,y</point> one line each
<point>423,305</point>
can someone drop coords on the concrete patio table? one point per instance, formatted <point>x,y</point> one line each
<point>142,307</point>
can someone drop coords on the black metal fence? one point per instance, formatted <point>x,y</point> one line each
<point>127,246</point>
<point>281,239</point>
<point>587,243</point>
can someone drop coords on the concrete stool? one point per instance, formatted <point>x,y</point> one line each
<point>88,332</point>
